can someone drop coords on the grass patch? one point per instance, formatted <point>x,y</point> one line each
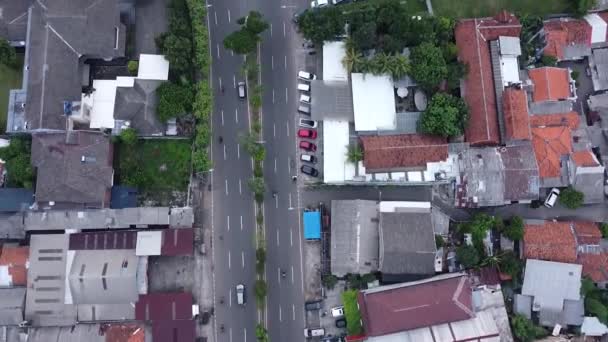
<point>9,79</point>
<point>482,8</point>
<point>351,312</point>
<point>155,166</point>
<point>415,6</point>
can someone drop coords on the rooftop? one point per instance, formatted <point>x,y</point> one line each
<point>515,108</point>
<point>584,159</point>
<point>595,266</point>
<point>13,21</point>
<point>472,39</point>
<point>388,152</point>
<point>373,102</point>
<point>550,83</point>
<point>587,232</point>
<point>570,120</point>
<point>14,262</point>
<point>407,306</point>
<point>15,199</point>
<point>560,33</point>
<point>336,166</point>
<point>553,241</point>
<point>331,100</point>
<point>333,54</point>
<point>74,169</point>
<point>12,301</point>
<point>550,145</point>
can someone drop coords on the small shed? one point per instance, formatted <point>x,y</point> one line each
<point>312,225</point>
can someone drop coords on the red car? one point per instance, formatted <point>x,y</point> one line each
<point>308,146</point>
<point>307,133</point>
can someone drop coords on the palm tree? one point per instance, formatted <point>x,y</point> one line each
<point>354,154</point>
<point>352,59</point>
<point>400,66</point>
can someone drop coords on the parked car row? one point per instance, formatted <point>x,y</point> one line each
<point>337,312</point>
<point>308,130</point>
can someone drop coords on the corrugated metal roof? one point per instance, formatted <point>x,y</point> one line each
<point>174,331</point>
<point>103,240</point>
<point>178,241</point>
<point>164,307</point>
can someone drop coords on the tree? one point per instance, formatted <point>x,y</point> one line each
<point>364,36</point>
<point>525,330</point>
<point>254,23</point>
<point>329,281</point>
<point>446,116</point>
<point>510,264</point>
<point>352,59</point>
<point>547,60</point>
<point>133,66</point>
<point>354,153</point>
<point>241,42</point>
<point>128,136</point>
<point>515,229</point>
<point>260,333</point>
<point>8,56</point>
<point>588,288</point>
<point>203,101</point>
<point>596,308</point>
<point>468,256</point>
<point>174,100</point>
<point>582,7</point>
<point>322,24</point>
<point>604,230</point>
<point>178,51</point>
<point>19,168</point>
<point>478,228</point>
<point>429,68</point>
<point>571,198</point>
<point>439,241</point>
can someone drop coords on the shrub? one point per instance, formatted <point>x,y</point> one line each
<point>17,157</point>
<point>439,242</point>
<point>260,333</point>
<point>547,60</point>
<point>260,290</point>
<point>128,136</point>
<point>446,115</point>
<point>329,281</point>
<point>604,229</point>
<point>354,153</point>
<point>351,312</point>
<point>133,67</point>
<point>174,100</point>
<point>525,330</point>
<point>571,198</point>
<point>8,56</point>
<point>515,229</point>
<point>468,256</point>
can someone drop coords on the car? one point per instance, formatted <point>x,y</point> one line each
<point>306,76</point>
<point>313,305</point>
<point>308,158</point>
<point>308,146</point>
<point>314,332</point>
<point>341,323</point>
<point>338,311</point>
<point>304,109</point>
<point>305,98</point>
<point>240,294</point>
<point>308,123</point>
<point>552,198</point>
<point>307,133</point>
<point>303,87</point>
<point>309,170</point>
<point>242,90</point>
<point>332,339</point>
<point>319,3</point>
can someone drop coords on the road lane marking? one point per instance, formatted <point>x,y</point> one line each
<point>220,82</point>
<point>240,192</point>
<point>226,187</point>
<point>230,298</point>
<point>284,30</point>
<point>228,223</point>
<point>236,115</point>
<point>228,15</point>
<point>243,259</point>
<point>234,81</point>
<point>224,152</point>
<point>244,334</point>
<point>218,50</point>
<point>277,238</point>
<point>215,15</point>
<point>290,207</point>
<point>229,259</point>
<point>276,201</point>
<point>280,314</point>
<point>272,62</point>
<point>286,96</point>
<point>238,151</point>
<point>274,130</point>
<point>275,165</point>
<point>289,165</point>
<point>291,237</point>
<point>279,275</point>
<point>293,312</point>
<point>241,222</point>
<point>231,53</point>
<point>272,95</point>
<point>230,333</point>
<point>285,62</point>
<point>271,30</point>
<point>222,118</point>
<point>287,125</point>
<point>292,274</point>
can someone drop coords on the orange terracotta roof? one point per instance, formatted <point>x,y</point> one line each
<point>595,266</point>
<point>584,159</point>
<point>515,107</point>
<point>472,37</point>
<point>385,152</point>
<point>587,233</point>
<point>129,332</point>
<point>562,32</point>
<point>550,143</point>
<point>552,241</point>
<point>16,259</point>
<point>571,119</point>
<point>550,83</point>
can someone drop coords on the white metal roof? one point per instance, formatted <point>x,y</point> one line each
<point>598,28</point>
<point>509,46</point>
<point>509,68</point>
<point>336,167</point>
<point>550,283</point>
<point>392,206</point>
<point>333,54</point>
<point>153,67</point>
<point>102,106</point>
<point>148,242</point>
<point>373,102</point>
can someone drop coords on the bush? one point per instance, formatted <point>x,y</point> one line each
<point>351,312</point>
<point>260,290</point>
<point>128,136</point>
<point>468,256</point>
<point>571,198</point>
<point>525,330</point>
<point>509,263</point>
<point>260,333</point>
<point>604,230</point>
<point>446,115</point>
<point>174,100</point>
<point>596,308</point>
<point>8,56</point>
<point>547,60</point>
<point>203,101</point>
<point>257,186</point>
<point>329,281</point>
<point>428,66</point>
<point>515,229</point>
<point>198,14</point>
<point>20,173</point>
<point>133,67</point>
<point>439,242</point>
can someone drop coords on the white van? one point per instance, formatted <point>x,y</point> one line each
<point>552,198</point>
<point>314,332</point>
<point>240,294</point>
<point>304,109</point>
<point>305,98</point>
<point>303,87</point>
<point>306,76</point>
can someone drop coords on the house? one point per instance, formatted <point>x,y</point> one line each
<point>15,199</point>
<point>553,291</point>
<point>552,84</point>
<point>376,115</point>
<point>61,37</point>
<point>516,116</point>
<point>100,332</point>
<point>74,169</point>
<point>13,21</point>
<point>493,176</point>
<point>14,262</point>
<point>587,176</point>
<point>477,40</point>
<point>450,306</point>
<point>572,39</point>
<point>170,315</point>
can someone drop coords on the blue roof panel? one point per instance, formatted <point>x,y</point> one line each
<point>312,225</point>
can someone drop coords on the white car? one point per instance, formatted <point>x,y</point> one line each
<point>240,294</point>
<point>314,332</point>
<point>319,3</point>
<point>308,123</point>
<point>552,198</point>
<point>338,311</point>
<point>303,87</point>
<point>306,76</point>
<point>305,98</point>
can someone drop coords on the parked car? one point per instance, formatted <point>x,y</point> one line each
<point>303,87</point>
<point>309,170</point>
<point>313,305</point>
<point>308,123</point>
<point>308,146</point>
<point>341,323</point>
<point>332,339</point>
<point>304,109</point>
<point>338,311</point>
<point>240,294</point>
<point>307,133</point>
<point>308,158</point>
<point>242,90</point>
<point>306,76</point>
<point>319,3</point>
<point>314,332</point>
<point>305,98</point>
<point>552,198</point>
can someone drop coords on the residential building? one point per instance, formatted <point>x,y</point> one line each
<point>170,315</point>
<point>516,116</point>
<point>377,87</point>
<point>572,39</point>
<point>449,306</point>
<point>12,304</point>
<point>100,332</point>
<point>74,169</point>
<point>14,262</point>
<point>587,176</point>
<point>15,199</point>
<point>552,84</point>
<point>13,21</point>
<point>551,290</point>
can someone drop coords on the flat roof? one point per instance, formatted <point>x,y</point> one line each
<point>598,28</point>
<point>312,225</point>
<point>331,100</point>
<point>373,102</point>
<point>153,67</point>
<point>333,54</point>
<point>149,242</point>
<point>336,167</point>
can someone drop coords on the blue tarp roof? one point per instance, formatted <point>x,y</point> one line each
<point>123,197</point>
<point>312,225</point>
<point>15,199</point>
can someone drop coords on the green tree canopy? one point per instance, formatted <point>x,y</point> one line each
<point>17,157</point>
<point>525,330</point>
<point>571,198</point>
<point>8,56</point>
<point>174,100</point>
<point>128,136</point>
<point>582,7</point>
<point>254,23</point>
<point>354,153</point>
<point>510,264</point>
<point>446,115</point>
<point>515,229</point>
<point>468,256</point>
<point>245,40</point>
<point>428,68</point>
<point>322,24</point>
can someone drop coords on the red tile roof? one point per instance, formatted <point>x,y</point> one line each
<point>415,306</point>
<point>177,241</point>
<point>402,151</point>
<point>550,83</point>
<point>472,39</point>
<point>565,31</point>
<point>587,233</point>
<point>571,119</point>
<point>16,259</point>
<point>585,159</point>
<point>549,144</point>
<point>552,241</point>
<point>127,332</point>
<point>595,266</point>
<point>515,107</point>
